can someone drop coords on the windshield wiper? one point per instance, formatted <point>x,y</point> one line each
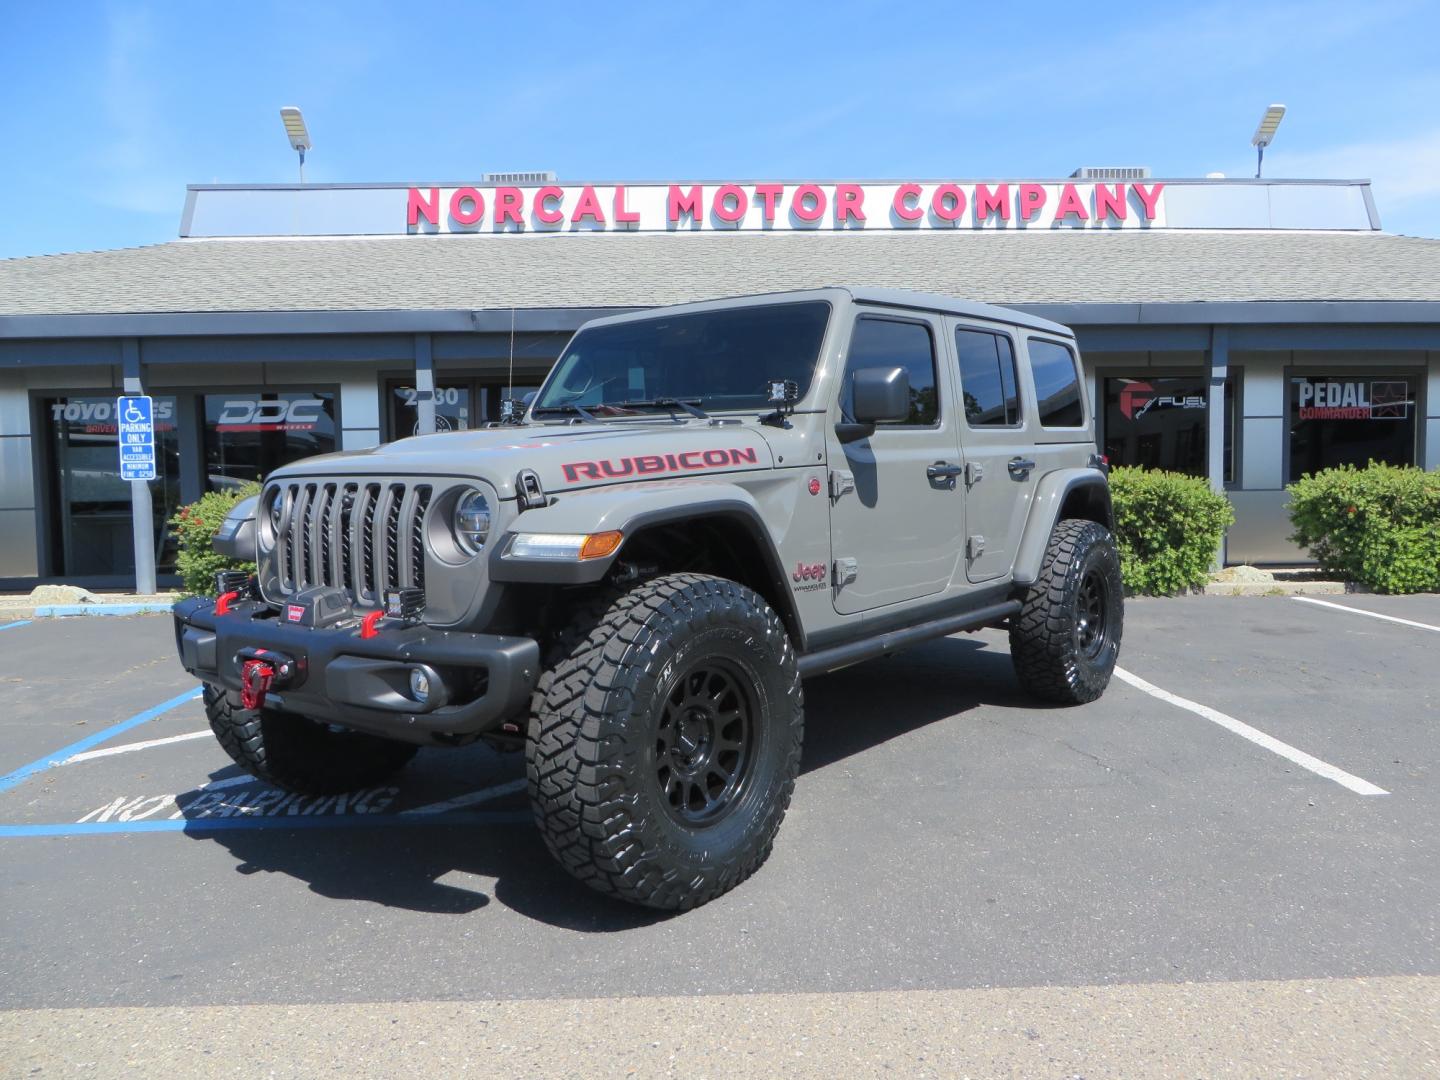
<point>570,407</point>
<point>691,406</point>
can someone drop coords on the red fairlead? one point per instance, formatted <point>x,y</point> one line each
<point>255,679</point>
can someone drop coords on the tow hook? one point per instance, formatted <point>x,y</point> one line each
<point>261,669</point>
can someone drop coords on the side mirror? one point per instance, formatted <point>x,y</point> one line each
<point>881,395</point>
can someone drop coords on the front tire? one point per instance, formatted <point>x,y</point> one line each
<point>298,754</point>
<point>665,739</point>
<point>1066,639</point>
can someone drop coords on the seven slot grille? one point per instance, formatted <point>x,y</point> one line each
<point>366,537</point>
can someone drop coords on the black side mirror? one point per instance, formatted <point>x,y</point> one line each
<point>881,395</point>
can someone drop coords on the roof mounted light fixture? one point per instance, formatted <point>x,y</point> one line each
<point>1265,134</point>
<point>298,133</point>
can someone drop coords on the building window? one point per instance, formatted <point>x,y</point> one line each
<point>1351,420</point>
<point>249,435</point>
<point>453,408</point>
<point>987,378</point>
<point>1057,384</point>
<point>1161,423</point>
<point>892,343</point>
<point>89,505</point>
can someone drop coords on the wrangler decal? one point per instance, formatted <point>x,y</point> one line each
<point>648,464</point>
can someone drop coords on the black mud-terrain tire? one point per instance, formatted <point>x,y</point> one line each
<point>1066,638</point>
<point>664,739</point>
<point>298,754</point>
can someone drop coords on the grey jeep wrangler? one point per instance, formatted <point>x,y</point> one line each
<point>702,506</point>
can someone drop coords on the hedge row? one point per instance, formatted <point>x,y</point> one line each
<point>1379,525</point>
<point>195,528</point>
<point>1168,527</point>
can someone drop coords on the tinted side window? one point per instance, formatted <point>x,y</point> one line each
<point>987,378</point>
<point>1057,384</point>
<point>887,343</point>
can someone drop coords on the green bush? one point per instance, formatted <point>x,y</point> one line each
<point>1168,527</point>
<point>195,528</point>
<point>1379,525</point>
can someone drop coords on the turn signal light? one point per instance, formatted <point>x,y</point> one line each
<point>598,545</point>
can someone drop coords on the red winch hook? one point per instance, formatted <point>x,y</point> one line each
<point>255,679</point>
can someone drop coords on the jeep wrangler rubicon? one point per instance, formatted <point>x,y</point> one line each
<point>702,506</point>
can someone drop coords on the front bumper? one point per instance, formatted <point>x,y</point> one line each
<point>341,678</point>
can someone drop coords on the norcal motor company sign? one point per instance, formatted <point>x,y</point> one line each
<point>784,206</point>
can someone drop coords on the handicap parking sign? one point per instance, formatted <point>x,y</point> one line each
<point>136,417</point>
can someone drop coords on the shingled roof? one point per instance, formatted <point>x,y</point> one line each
<point>617,270</point>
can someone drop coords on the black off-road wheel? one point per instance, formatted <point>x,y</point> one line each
<point>298,754</point>
<point>1066,638</point>
<point>664,739</point>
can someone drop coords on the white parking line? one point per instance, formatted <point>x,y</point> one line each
<point>111,751</point>
<point>461,801</point>
<point>1362,611</point>
<point>1259,738</point>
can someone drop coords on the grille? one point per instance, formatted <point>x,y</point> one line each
<point>365,537</point>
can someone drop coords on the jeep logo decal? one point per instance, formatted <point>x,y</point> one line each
<point>647,464</point>
<point>809,576</point>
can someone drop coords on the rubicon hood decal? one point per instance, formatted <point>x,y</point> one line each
<point>564,456</point>
<point>652,464</point>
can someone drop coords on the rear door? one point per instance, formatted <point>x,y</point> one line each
<point>896,529</point>
<point>996,436</point>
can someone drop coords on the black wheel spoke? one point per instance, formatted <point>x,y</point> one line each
<point>704,741</point>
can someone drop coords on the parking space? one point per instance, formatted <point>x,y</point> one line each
<point>945,833</point>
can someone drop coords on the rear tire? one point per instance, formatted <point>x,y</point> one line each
<point>298,754</point>
<point>665,739</point>
<point>1066,638</point>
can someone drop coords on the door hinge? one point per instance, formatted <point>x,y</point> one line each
<point>975,546</point>
<point>846,571</point>
<point>841,483</point>
<point>974,472</point>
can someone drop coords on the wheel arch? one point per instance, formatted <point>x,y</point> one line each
<point>1065,493</point>
<point>663,526</point>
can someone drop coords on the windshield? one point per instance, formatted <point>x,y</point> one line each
<point>722,359</point>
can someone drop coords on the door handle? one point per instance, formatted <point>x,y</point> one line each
<point>943,470</point>
<point>1020,467</point>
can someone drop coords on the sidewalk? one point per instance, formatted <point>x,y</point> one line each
<point>47,601</point>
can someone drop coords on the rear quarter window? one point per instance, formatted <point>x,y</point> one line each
<point>1057,384</point>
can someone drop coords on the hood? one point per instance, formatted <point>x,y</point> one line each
<point>565,456</point>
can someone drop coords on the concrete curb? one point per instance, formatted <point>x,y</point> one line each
<point>1281,588</point>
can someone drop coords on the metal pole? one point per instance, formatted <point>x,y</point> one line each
<point>1259,160</point>
<point>142,513</point>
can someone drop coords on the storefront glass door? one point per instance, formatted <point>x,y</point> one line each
<point>89,503</point>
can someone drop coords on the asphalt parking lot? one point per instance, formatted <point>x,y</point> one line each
<point>1257,803</point>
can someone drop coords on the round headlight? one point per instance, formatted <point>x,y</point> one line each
<point>472,521</point>
<point>276,510</point>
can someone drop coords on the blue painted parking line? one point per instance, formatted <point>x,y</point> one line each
<point>49,761</point>
<point>16,624</point>
<point>277,824</point>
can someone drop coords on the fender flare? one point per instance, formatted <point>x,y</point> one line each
<point>631,508</point>
<point>235,539</point>
<point>1051,494</point>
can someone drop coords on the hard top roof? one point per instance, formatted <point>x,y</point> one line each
<point>895,298</point>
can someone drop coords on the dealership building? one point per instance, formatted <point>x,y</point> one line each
<point>1247,331</point>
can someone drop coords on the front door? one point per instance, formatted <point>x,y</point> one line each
<point>897,510</point>
<point>997,438</point>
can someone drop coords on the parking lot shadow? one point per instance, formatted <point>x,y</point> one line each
<point>861,707</point>
<point>404,868</point>
<point>424,869</point>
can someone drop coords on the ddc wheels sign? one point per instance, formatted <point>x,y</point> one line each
<point>252,414</point>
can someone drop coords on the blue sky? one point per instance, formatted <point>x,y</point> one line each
<point>109,110</point>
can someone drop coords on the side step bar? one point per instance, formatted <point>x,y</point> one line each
<point>853,652</point>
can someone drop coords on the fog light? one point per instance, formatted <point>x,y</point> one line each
<point>419,685</point>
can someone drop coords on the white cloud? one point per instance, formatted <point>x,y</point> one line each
<point>1405,171</point>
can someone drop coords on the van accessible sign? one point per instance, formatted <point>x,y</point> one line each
<point>780,206</point>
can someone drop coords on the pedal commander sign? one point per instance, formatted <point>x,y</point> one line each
<point>721,207</point>
<point>1352,399</point>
